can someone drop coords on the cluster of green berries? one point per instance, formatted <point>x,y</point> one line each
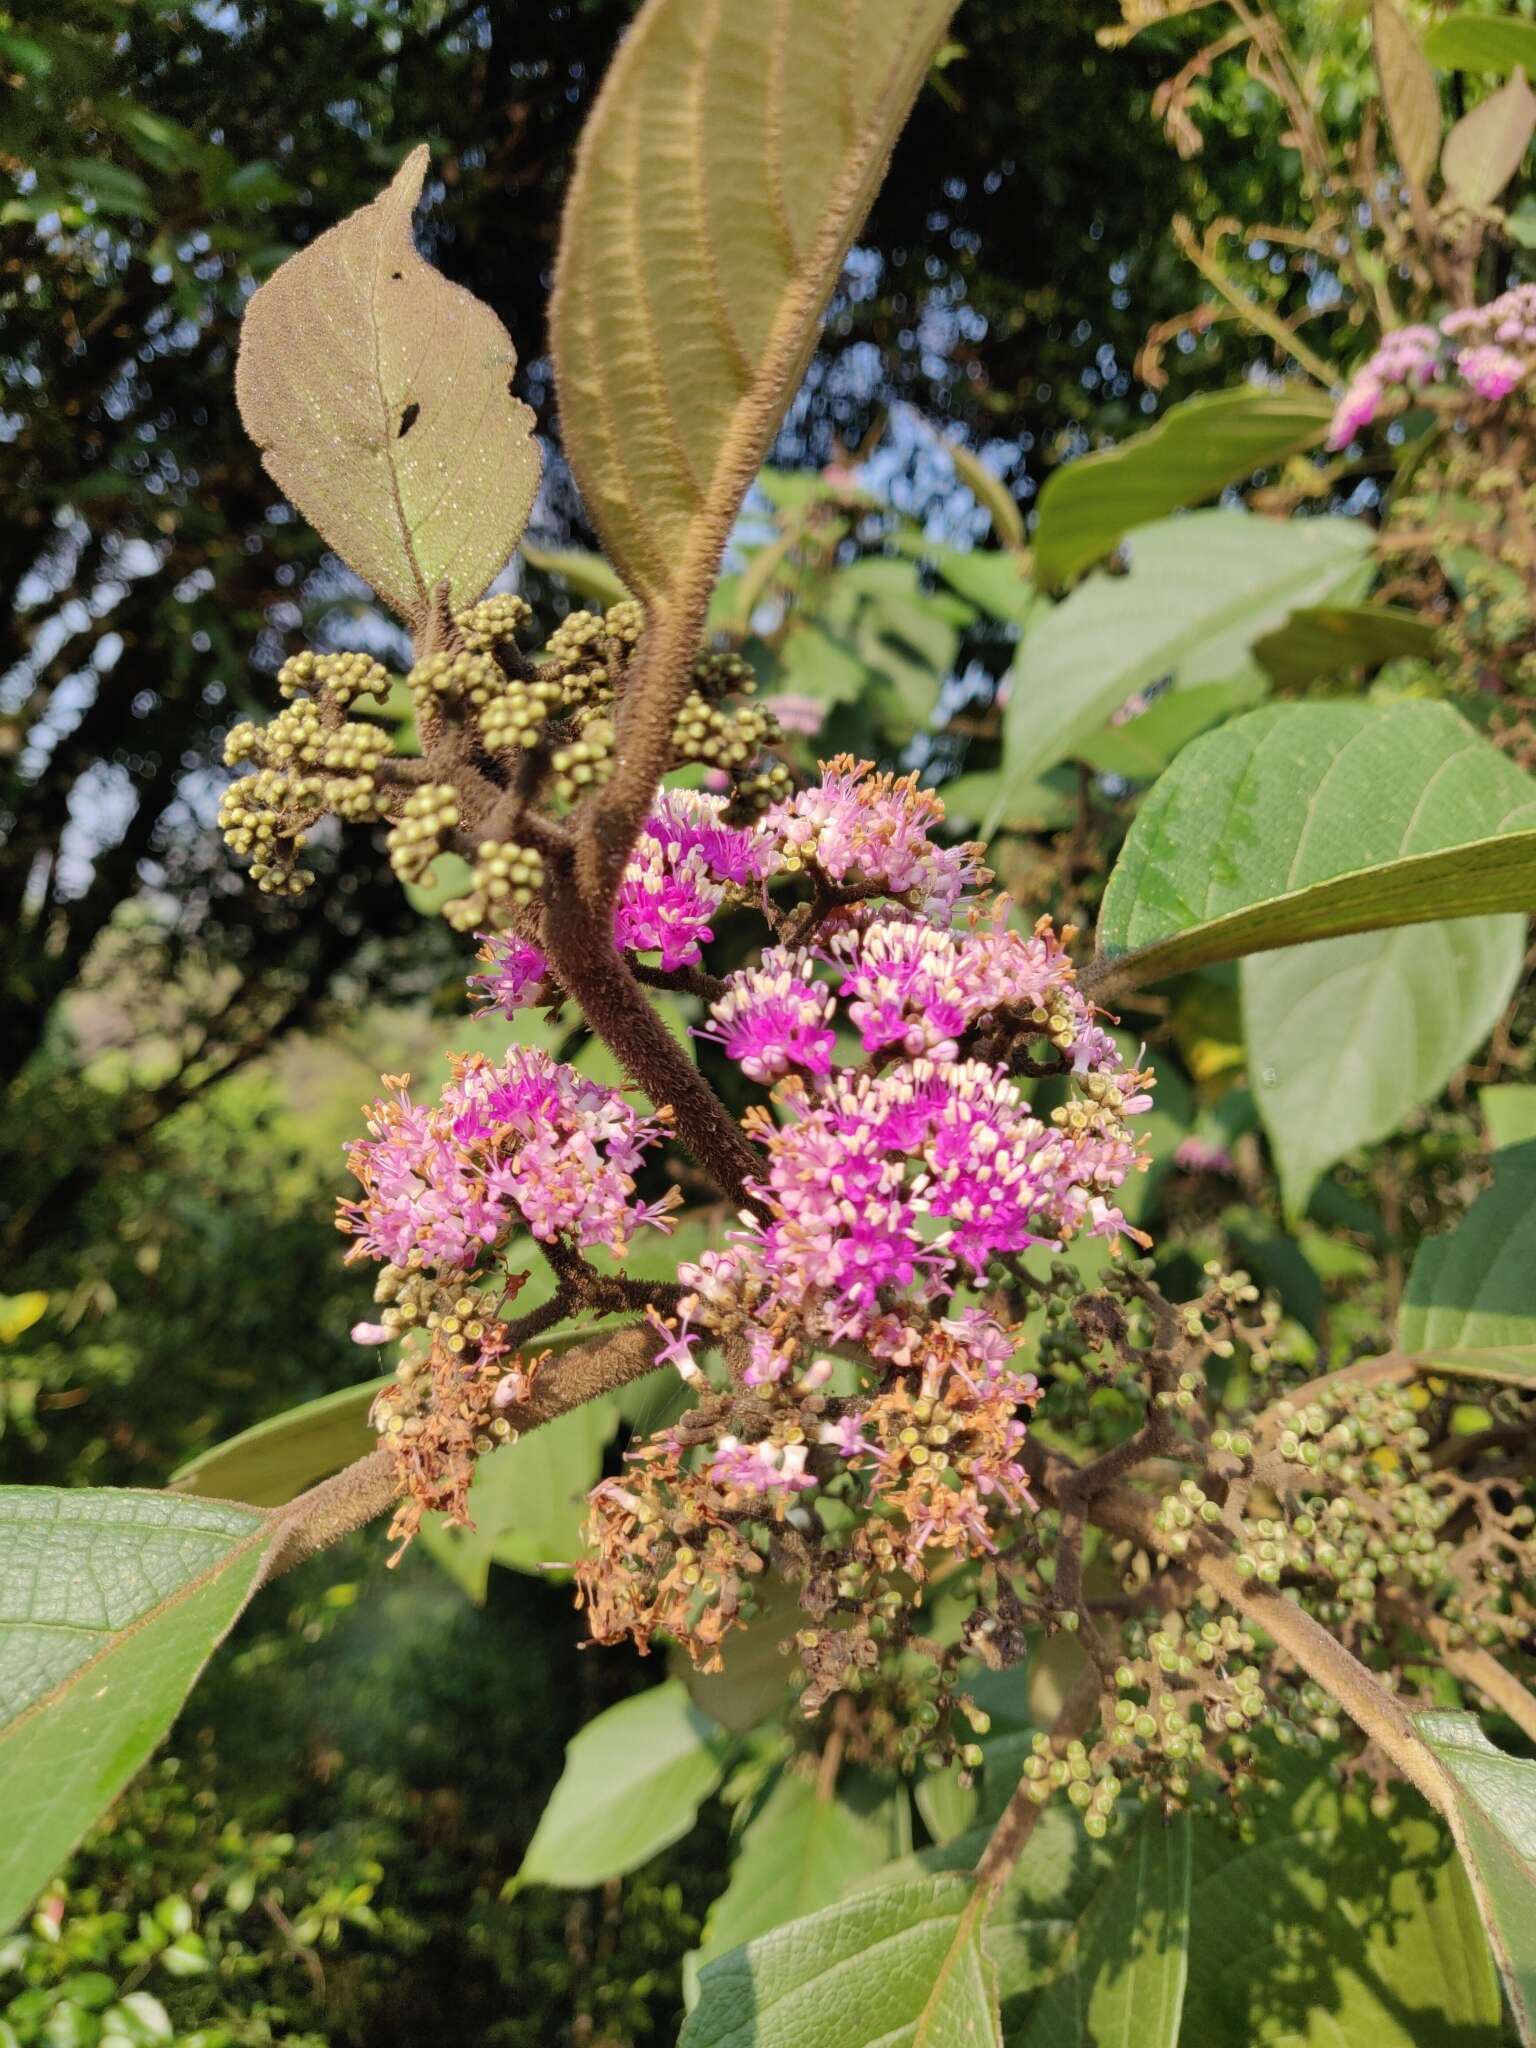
<point>413,1299</point>
<point>769,784</point>
<point>585,762</point>
<point>260,816</point>
<point>1180,1515</point>
<point>720,736</point>
<point>341,677</point>
<point>493,623</point>
<point>1093,1788</point>
<point>427,818</point>
<point>505,878</point>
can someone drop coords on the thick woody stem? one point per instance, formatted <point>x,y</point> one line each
<point>369,1488</point>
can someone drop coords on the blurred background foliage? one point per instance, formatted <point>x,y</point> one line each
<point>320,1860</point>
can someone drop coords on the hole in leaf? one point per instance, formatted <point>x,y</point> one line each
<point>408,419</point>
<point>395,276</point>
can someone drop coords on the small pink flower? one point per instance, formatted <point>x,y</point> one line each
<point>1492,372</point>
<point>371,1333</point>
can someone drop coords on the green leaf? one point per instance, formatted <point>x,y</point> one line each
<point>1509,1113</point>
<point>1200,591</point>
<point>528,1501</point>
<point>1348,1036</point>
<point>1482,42</point>
<point>1142,747</point>
<point>901,1967</point>
<point>380,397</point>
<point>633,1782</point>
<point>1328,1928</point>
<point>273,1461</point>
<point>582,571</point>
<point>991,493</point>
<point>1305,821</point>
<point>1195,449</point>
<point>111,1602</point>
<point>995,580</point>
<point>1494,1821</point>
<point>1486,147</point>
<point>1324,640</point>
<point>799,1852</point>
<point>1410,92</point>
<point>18,1312</point>
<point>1471,1293</point>
<point>723,171</point>
<point>1120,1974</point>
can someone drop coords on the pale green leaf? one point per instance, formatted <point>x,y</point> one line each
<point>1325,640</point>
<point>1329,1928</point>
<point>633,1782</point>
<point>274,1460</point>
<point>1140,748</point>
<point>725,167</point>
<point>1121,1972</point>
<point>754,1674</point>
<point>18,1312</point>
<point>1409,90</point>
<point>1200,591</point>
<point>900,1967</point>
<point>1486,147</point>
<point>110,1604</point>
<point>1347,1036</point>
<point>380,396</point>
<point>1465,41</point>
<point>578,568</point>
<point>1494,1821</point>
<point>798,1853</point>
<point>1471,1293</point>
<point>1306,821</point>
<point>1508,1111</point>
<point>1194,450</point>
<point>991,493</point>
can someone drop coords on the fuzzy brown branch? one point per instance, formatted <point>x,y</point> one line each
<point>370,1488</point>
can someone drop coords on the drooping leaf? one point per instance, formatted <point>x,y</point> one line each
<point>901,1967</point>
<point>1465,41</point>
<point>1509,1113</point>
<point>1324,640</point>
<point>1120,1974</point>
<point>1471,1293</point>
<point>528,1502</point>
<point>585,573</point>
<point>725,167</point>
<point>1409,90</point>
<point>1486,147</point>
<point>111,1602</point>
<point>1195,449</point>
<point>1305,821</point>
<point>1347,1036</point>
<point>633,1782</point>
<point>991,493</point>
<point>1200,591</point>
<point>380,396</point>
<point>799,1852</point>
<point>1495,1826</point>
<point>273,1461</point>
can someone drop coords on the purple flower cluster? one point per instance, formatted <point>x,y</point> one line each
<point>1489,349</point>
<point>526,1144</point>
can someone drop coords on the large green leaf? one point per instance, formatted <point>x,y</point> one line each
<point>633,1782</point>
<point>1140,748</point>
<point>1465,41</point>
<point>1508,1111</point>
<point>1308,821</point>
<point>528,1501</point>
<point>380,396</point>
<point>1495,1826</point>
<point>1200,591</point>
<point>1324,639</point>
<point>1347,1036</point>
<point>901,1967</point>
<point>1197,447</point>
<point>1120,1974</point>
<point>274,1460</point>
<point>1329,1928</point>
<point>725,167</point>
<point>110,1604</point>
<point>801,1851</point>
<point>1471,1293</point>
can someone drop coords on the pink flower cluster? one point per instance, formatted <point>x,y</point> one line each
<point>871,834</point>
<point>1489,348</point>
<point>685,863</point>
<point>526,1144</point>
